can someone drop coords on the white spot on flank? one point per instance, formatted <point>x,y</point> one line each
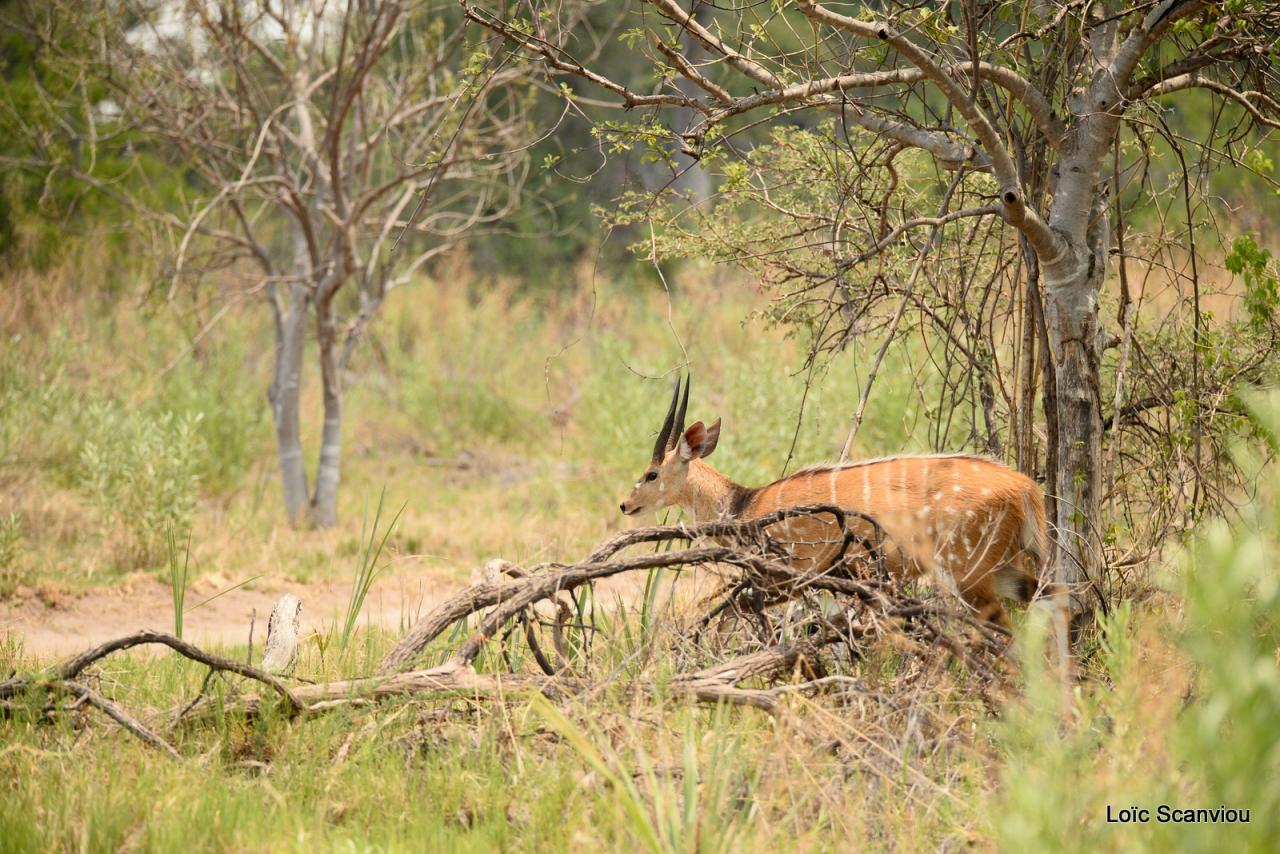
<point>955,488</point>
<point>937,496</point>
<point>922,512</point>
<point>986,491</point>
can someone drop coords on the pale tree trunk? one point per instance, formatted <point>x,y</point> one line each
<point>285,397</point>
<point>324,505</point>
<point>1071,315</point>
<point>1073,279</point>
<point>1072,284</point>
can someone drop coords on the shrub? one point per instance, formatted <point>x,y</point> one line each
<point>142,473</point>
<point>228,411</point>
<point>1179,712</point>
<point>1232,633</point>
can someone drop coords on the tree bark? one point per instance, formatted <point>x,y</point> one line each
<point>324,504</point>
<point>285,398</point>
<point>1072,320</point>
<point>1072,285</point>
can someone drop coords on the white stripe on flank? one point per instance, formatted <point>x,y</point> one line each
<point>989,536</point>
<point>975,458</point>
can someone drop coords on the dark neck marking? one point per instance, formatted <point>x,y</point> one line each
<point>739,498</point>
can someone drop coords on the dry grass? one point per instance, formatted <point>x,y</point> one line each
<point>508,426</point>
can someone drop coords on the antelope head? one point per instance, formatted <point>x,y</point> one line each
<point>663,481</point>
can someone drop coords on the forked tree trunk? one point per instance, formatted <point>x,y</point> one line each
<point>318,509</point>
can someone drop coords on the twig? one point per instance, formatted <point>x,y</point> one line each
<point>114,712</point>
<point>253,619</point>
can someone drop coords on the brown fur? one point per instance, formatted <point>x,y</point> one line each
<point>959,520</point>
<point>969,523</point>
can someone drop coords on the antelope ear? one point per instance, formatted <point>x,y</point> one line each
<point>710,440</point>
<point>699,440</point>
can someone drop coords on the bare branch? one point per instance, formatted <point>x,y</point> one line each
<point>711,42</point>
<point>73,667</point>
<point>1142,37</point>
<point>1016,210</point>
<point>560,60</point>
<point>116,713</point>
<point>1245,99</point>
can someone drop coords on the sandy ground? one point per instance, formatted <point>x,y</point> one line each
<point>56,624</point>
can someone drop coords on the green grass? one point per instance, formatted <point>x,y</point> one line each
<point>373,539</point>
<point>618,770</point>
<point>179,579</point>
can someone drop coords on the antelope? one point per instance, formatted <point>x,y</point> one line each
<point>973,524</point>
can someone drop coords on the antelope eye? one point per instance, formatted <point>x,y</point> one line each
<point>653,475</point>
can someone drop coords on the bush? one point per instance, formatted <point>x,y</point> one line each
<point>142,473</point>
<point>1179,712</point>
<point>227,412</point>
<point>1232,598</point>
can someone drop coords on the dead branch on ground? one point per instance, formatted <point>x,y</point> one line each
<point>792,634</point>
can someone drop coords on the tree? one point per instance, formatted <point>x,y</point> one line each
<point>1016,107</point>
<point>335,148</point>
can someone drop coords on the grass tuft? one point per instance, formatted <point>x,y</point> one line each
<point>367,566</point>
<point>179,577</point>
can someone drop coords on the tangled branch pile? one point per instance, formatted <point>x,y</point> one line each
<point>771,632</point>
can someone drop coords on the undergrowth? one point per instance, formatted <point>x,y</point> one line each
<point>508,426</point>
<point>536,411</point>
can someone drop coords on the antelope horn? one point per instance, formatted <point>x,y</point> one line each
<point>679,426</point>
<point>660,447</point>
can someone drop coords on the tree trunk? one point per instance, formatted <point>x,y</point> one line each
<point>1072,320</point>
<point>324,504</point>
<point>1072,325</point>
<point>285,397</point>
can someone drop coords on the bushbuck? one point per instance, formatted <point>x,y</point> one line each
<point>972,524</point>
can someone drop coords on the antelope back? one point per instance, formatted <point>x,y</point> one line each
<point>971,523</point>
